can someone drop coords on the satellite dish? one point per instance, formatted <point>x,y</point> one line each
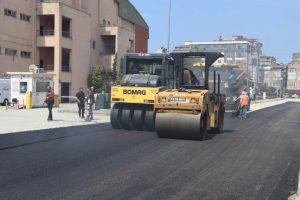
<point>33,68</point>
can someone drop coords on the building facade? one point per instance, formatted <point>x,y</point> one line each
<point>275,76</point>
<point>293,77</point>
<point>296,56</point>
<point>238,50</point>
<point>69,37</point>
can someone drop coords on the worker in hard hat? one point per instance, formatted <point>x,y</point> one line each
<point>244,100</point>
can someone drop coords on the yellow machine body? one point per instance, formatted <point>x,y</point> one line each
<point>134,95</point>
<point>188,114</point>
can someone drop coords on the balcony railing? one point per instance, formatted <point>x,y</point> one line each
<point>65,68</point>
<point>46,1</point>
<point>45,32</point>
<point>47,68</point>
<point>66,34</point>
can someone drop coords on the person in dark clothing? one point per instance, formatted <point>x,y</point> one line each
<point>50,101</point>
<point>90,102</point>
<point>80,101</point>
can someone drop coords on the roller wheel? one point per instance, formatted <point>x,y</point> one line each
<point>139,120</point>
<point>115,118</point>
<point>149,120</point>
<point>221,120</point>
<point>203,127</point>
<point>126,119</point>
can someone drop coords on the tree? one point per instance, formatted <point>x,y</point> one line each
<point>95,78</point>
<point>102,79</point>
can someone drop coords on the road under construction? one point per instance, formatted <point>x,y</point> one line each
<point>254,158</point>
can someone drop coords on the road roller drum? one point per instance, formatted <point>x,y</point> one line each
<point>176,125</point>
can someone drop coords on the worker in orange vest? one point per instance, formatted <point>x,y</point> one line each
<point>244,100</point>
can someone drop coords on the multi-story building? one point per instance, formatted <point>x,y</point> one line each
<point>275,76</point>
<point>267,61</point>
<point>296,56</point>
<point>237,50</point>
<point>293,77</point>
<point>68,37</point>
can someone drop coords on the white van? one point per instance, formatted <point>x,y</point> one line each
<point>5,92</point>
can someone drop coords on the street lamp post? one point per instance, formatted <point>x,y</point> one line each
<point>169,25</point>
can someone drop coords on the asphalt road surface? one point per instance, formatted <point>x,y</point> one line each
<point>255,158</point>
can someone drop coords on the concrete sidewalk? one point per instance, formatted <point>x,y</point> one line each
<point>66,115</point>
<point>14,120</point>
<point>261,104</point>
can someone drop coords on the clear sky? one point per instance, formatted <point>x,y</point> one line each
<point>275,23</point>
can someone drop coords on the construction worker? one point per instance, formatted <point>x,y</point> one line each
<point>244,100</point>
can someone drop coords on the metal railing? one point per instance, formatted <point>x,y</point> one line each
<point>65,68</point>
<point>47,68</point>
<point>46,1</point>
<point>66,34</point>
<point>45,32</point>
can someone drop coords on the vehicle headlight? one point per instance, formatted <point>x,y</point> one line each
<point>193,100</point>
<point>163,99</point>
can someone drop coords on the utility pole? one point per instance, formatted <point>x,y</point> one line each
<point>169,25</point>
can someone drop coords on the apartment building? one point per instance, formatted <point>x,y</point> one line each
<point>293,77</point>
<point>238,50</point>
<point>68,37</point>
<point>296,56</point>
<point>275,76</point>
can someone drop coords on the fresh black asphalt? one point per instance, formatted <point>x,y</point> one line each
<point>255,158</point>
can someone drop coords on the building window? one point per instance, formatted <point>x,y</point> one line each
<point>292,70</point>
<point>0,50</point>
<point>25,17</point>
<point>10,52</point>
<point>23,87</point>
<point>25,54</point>
<point>94,44</point>
<point>9,12</point>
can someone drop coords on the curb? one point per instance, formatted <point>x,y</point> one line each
<point>101,111</point>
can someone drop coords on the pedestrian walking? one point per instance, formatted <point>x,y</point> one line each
<point>244,100</point>
<point>90,102</point>
<point>49,101</point>
<point>80,102</point>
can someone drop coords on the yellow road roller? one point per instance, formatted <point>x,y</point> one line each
<point>144,75</point>
<point>188,111</point>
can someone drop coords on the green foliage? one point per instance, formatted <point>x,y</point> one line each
<point>102,79</point>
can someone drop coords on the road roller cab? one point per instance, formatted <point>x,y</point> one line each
<point>144,75</point>
<point>188,112</point>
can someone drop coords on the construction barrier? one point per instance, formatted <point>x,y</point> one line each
<point>102,101</point>
<point>28,100</point>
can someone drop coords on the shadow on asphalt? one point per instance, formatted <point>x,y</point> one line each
<point>14,140</point>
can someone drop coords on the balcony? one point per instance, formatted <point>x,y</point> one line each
<point>108,30</point>
<point>46,58</point>
<point>65,68</point>
<point>47,1</point>
<point>47,68</point>
<point>66,60</point>
<point>66,27</point>
<point>66,34</point>
<point>45,32</point>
